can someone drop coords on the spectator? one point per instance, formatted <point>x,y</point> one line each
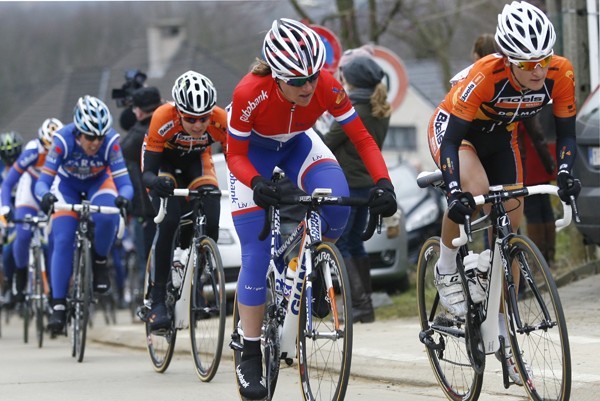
<point>361,77</point>
<point>484,45</point>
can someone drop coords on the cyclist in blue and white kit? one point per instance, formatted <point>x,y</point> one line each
<point>11,145</point>
<point>85,159</point>
<point>25,171</point>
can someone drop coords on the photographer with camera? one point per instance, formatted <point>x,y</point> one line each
<point>134,80</point>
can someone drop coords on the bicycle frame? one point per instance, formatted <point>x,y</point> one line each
<point>500,269</point>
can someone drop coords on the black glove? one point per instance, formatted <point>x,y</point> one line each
<point>382,199</point>
<point>567,186</point>
<point>7,212</point>
<point>47,201</point>
<point>163,186</point>
<point>265,192</point>
<point>460,204</point>
<point>123,203</point>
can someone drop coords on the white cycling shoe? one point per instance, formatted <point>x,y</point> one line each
<point>449,287</point>
<point>513,370</point>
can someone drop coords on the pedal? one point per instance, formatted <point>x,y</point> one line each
<point>235,343</point>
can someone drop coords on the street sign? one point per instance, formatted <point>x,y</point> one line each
<point>333,47</point>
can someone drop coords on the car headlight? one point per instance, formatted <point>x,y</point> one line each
<point>425,214</point>
<point>225,237</point>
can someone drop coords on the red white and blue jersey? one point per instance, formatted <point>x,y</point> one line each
<point>67,159</point>
<point>259,111</point>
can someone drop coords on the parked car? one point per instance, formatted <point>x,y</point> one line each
<point>587,167</point>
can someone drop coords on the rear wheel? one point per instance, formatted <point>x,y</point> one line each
<point>160,344</point>
<point>325,338</point>
<point>443,334</point>
<point>540,341</point>
<point>207,309</point>
<point>39,296</point>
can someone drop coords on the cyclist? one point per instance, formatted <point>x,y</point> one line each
<point>11,145</point>
<point>270,119</point>
<point>472,135</point>
<point>25,172</point>
<point>85,160</point>
<point>177,153</point>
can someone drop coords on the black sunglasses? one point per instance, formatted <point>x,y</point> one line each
<point>299,82</point>
<point>192,120</point>
<point>93,138</point>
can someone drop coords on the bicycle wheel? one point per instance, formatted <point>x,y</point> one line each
<point>269,339</point>
<point>81,299</point>
<point>541,341</point>
<point>207,309</point>
<point>160,344</point>
<point>443,334</point>
<point>38,295</point>
<point>325,343</point>
<point>27,308</point>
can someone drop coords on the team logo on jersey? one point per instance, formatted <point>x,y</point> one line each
<point>528,101</point>
<point>471,86</point>
<point>341,95</point>
<point>162,131</point>
<point>245,117</point>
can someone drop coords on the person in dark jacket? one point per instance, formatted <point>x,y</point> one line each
<point>361,77</point>
<point>145,101</point>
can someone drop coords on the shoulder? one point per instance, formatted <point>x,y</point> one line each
<point>253,86</point>
<point>163,120</point>
<point>219,118</point>
<point>561,68</point>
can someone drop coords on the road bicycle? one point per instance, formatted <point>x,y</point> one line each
<point>520,286</point>
<point>81,293</point>
<point>37,304</point>
<point>319,333</point>
<point>199,302</point>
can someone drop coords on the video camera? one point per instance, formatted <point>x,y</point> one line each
<point>134,79</point>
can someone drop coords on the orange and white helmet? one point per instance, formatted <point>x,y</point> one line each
<point>47,130</point>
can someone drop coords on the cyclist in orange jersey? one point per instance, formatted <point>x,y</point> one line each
<point>177,153</point>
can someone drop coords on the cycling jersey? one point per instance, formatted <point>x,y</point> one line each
<point>483,107</point>
<point>266,131</point>
<point>25,171</point>
<point>170,150</point>
<point>69,173</point>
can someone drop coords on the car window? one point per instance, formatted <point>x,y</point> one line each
<point>591,109</point>
<point>404,180</point>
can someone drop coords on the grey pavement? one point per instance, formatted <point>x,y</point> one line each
<point>389,351</point>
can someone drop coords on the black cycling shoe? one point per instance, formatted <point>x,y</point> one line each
<point>56,323</point>
<point>249,377</point>
<point>101,279</point>
<point>159,317</point>
<point>320,304</point>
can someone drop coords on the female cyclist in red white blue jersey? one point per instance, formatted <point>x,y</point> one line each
<point>85,158</point>
<point>270,125</point>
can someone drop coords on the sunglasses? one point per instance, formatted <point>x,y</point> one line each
<point>93,138</point>
<point>299,82</point>
<point>530,65</point>
<point>193,120</point>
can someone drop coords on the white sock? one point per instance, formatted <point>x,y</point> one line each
<point>447,262</point>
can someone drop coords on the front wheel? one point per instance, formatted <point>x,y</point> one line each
<point>536,325</point>
<point>325,336</point>
<point>207,309</point>
<point>443,334</point>
<point>39,297</point>
<point>81,298</point>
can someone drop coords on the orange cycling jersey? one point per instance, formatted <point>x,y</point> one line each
<point>487,94</point>
<point>166,131</point>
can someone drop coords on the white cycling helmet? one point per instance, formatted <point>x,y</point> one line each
<point>47,130</point>
<point>92,117</point>
<point>194,94</point>
<point>524,32</point>
<point>293,50</point>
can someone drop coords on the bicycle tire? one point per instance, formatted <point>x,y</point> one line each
<point>269,340</point>
<point>27,308</point>
<point>544,347</point>
<point>325,343</point>
<point>447,352</point>
<point>38,291</point>
<point>161,344</point>
<point>82,299</point>
<point>208,309</point>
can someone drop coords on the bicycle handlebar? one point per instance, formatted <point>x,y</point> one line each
<point>515,193</point>
<point>78,207</point>
<point>196,193</point>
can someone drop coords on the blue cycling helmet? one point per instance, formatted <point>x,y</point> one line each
<point>92,117</point>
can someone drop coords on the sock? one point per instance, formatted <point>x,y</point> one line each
<point>447,262</point>
<point>251,348</point>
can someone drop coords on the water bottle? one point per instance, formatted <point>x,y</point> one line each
<point>289,276</point>
<point>179,259</point>
<point>476,268</point>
